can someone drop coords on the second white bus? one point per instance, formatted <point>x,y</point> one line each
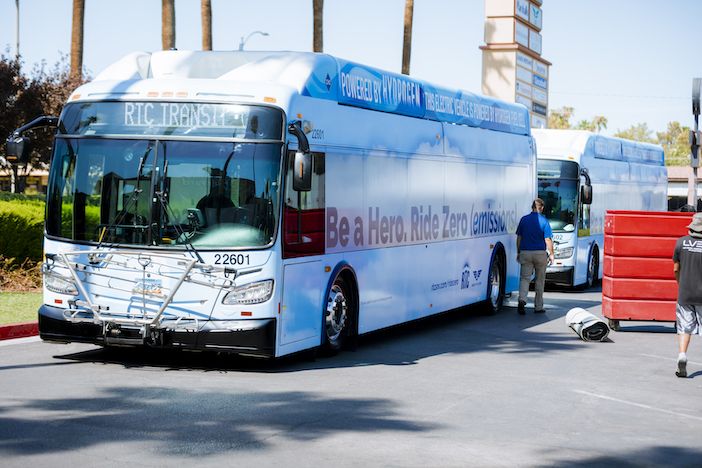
<point>581,175</point>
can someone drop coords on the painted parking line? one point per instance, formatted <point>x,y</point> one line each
<point>638,405</point>
<point>673,359</point>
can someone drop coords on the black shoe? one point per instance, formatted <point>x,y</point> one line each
<point>682,368</point>
<point>521,307</point>
<point>540,311</point>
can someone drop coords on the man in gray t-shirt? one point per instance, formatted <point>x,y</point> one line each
<point>687,265</point>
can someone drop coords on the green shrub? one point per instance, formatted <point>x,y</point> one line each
<point>21,229</point>
<point>8,196</point>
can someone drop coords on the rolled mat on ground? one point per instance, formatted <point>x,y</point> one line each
<point>588,326</point>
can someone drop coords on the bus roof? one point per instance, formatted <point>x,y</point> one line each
<point>575,144</point>
<point>310,74</point>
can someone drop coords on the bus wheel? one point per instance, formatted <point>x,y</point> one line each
<point>592,268</point>
<point>337,315</point>
<point>495,286</point>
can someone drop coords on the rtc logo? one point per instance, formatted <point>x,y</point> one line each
<point>465,277</point>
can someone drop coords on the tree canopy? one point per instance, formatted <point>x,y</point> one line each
<point>23,97</point>
<point>560,119</point>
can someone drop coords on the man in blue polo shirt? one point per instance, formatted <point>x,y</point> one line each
<point>534,253</point>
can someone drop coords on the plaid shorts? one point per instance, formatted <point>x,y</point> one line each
<point>689,319</point>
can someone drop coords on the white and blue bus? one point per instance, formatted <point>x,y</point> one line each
<point>581,175</point>
<point>264,203</point>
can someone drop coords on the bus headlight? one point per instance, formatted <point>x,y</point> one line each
<point>566,252</point>
<point>252,293</point>
<point>60,284</point>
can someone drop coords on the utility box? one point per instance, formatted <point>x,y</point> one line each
<point>638,282</point>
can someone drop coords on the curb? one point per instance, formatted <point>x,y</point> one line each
<point>18,330</point>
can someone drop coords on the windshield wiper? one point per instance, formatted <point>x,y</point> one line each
<point>133,199</point>
<point>168,211</point>
<point>189,247</point>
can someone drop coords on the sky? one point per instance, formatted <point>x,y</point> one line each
<point>631,61</point>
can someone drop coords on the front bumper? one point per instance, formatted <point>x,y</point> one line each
<point>560,275</point>
<point>248,337</point>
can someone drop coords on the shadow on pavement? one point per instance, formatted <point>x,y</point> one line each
<point>460,331</point>
<point>192,423</point>
<point>652,456</point>
<point>31,366</point>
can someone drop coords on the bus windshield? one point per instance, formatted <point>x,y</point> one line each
<point>558,188</point>
<point>166,193</point>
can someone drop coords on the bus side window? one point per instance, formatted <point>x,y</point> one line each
<point>303,217</point>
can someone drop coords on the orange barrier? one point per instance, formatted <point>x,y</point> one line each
<point>638,281</point>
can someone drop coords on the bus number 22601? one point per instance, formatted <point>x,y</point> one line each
<point>232,259</point>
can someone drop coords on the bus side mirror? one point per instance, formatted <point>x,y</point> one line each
<point>694,141</point>
<point>586,194</point>
<point>18,149</point>
<point>302,172</point>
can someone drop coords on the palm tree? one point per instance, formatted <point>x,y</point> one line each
<point>407,38</point>
<point>168,24</point>
<point>206,12</point>
<point>77,39</point>
<point>317,29</point>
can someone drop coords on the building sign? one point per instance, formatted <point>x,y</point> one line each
<point>519,99</point>
<point>523,89</point>
<point>513,69</point>
<point>522,9</point>
<point>535,16</point>
<point>541,82</point>
<point>521,34</point>
<point>540,95</point>
<point>535,41</point>
<point>525,61</point>
<point>540,68</point>
<point>524,74</point>
<point>539,109</point>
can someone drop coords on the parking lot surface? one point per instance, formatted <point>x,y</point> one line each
<point>457,390</point>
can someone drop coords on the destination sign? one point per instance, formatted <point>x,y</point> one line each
<point>170,114</point>
<point>172,118</point>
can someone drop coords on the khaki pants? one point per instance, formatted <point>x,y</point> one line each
<point>533,261</point>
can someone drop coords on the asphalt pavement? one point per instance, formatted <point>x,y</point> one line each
<point>458,390</point>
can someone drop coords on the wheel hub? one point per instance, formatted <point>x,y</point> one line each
<point>336,315</point>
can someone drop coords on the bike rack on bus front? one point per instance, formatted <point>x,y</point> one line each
<point>112,266</point>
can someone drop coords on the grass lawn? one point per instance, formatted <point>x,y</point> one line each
<point>17,307</point>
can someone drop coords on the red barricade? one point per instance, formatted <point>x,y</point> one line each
<point>638,281</point>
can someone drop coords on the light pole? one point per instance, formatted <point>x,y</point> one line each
<point>242,43</point>
<point>17,28</point>
<point>695,137</point>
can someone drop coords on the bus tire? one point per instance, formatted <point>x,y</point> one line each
<point>593,266</point>
<point>495,284</point>
<point>339,316</point>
